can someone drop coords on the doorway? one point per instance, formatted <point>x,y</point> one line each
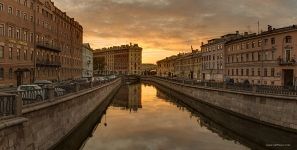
<point>288,77</point>
<point>19,76</point>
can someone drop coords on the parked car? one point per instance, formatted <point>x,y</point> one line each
<point>229,81</point>
<point>59,91</point>
<point>31,92</point>
<point>112,77</point>
<point>101,79</point>
<point>43,83</point>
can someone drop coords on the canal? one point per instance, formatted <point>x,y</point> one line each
<point>150,117</point>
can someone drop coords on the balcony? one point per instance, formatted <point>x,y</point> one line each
<point>283,62</point>
<point>46,45</point>
<point>47,63</point>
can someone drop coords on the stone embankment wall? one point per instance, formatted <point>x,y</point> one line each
<point>277,111</point>
<point>44,125</point>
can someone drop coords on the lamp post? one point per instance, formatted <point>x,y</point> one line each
<point>34,40</point>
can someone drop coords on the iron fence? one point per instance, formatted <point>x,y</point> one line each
<point>260,89</point>
<point>34,96</point>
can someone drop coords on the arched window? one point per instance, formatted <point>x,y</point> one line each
<point>288,39</point>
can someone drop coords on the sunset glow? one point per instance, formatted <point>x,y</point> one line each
<point>167,27</point>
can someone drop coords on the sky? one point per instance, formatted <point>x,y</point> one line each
<point>167,27</point>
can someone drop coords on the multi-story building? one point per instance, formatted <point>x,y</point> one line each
<point>125,59</point>
<point>87,61</point>
<point>184,65</point>
<point>148,69</point>
<point>37,41</point>
<point>213,57</point>
<point>268,58</point>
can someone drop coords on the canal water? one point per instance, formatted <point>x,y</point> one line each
<point>149,117</point>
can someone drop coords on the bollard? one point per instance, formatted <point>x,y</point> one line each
<point>51,93</point>
<point>254,88</point>
<point>18,105</point>
<point>76,87</point>
<point>91,84</point>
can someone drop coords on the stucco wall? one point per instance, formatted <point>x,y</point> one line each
<point>272,110</point>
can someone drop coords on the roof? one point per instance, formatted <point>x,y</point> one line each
<point>269,32</point>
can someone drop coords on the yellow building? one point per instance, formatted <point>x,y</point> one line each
<point>268,58</point>
<point>125,59</point>
<point>184,65</point>
<point>213,57</point>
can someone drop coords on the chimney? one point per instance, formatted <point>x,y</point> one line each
<point>246,33</point>
<point>237,32</point>
<point>202,43</point>
<point>269,27</point>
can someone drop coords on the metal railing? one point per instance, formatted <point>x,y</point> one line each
<point>29,97</point>
<point>240,87</point>
<point>7,105</point>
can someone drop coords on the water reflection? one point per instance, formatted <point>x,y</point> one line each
<point>161,124</point>
<point>251,134</point>
<point>146,117</point>
<point>129,98</point>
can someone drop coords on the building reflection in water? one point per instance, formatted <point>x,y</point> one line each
<point>229,127</point>
<point>129,98</point>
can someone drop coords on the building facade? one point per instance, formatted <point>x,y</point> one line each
<point>87,61</point>
<point>121,60</point>
<point>213,55</point>
<point>268,58</point>
<point>184,65</point>
<point>37,42</point>
<point>148,69</point>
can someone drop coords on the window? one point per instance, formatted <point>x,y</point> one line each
<point>272,41</point>
<point>288,39</point>
<point>265,41</point>
<point>288,55</point>
<point>10,32</point>
<point>247,46</point>
<point>25,54</point>
<point>18,54</point>
<point>25,16</point>
<point>26,36</point>
<point>259,72</point>
<point>253,72</point>
<point>247,72</point>
<point>259,43</point>
<point>272,72</point>
<point>253,44</point>
<point>265,72</point>
<point>1,7</point>
<point>2,30</point>
<point>1,73</point>
<point>10,10</point>
<point>241,72</point>
<point>1,52</point>
<point>10,52</point>
<point>10,73</point>
<point>18,13</point>
<point>25,3</point>
<point>17,33</point>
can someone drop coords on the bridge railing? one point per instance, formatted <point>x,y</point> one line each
<point>51,93</point>
<point>259,89</point>
<point>9,105</point>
